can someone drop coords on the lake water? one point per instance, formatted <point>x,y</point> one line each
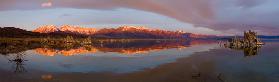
<point>144,61</point>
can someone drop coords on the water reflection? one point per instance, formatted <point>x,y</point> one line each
<point>248,51</point>
<point>195,62</point>
<point>77,58</point>
<point>126,48</point>
<point>47,77</point>
<point>18,62</point>
<point>251,51</point>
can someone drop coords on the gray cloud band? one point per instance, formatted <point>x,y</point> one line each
<point>222,15</point>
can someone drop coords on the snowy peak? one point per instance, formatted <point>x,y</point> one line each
<point>46,29</point>
<point>65,28</point>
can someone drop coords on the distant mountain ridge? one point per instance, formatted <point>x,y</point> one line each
<point>12,32</point>
<point>123,32</point>
<point>120,32</point>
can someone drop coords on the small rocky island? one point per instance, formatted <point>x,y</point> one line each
<point>250,43</point>
<point>250,39</point>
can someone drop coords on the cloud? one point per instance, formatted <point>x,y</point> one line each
<point>31,19</point>
<point>222,15</point>
<point>47,4</point>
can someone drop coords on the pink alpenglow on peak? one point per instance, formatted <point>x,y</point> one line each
<point>77,29</point>
<point>65,28</point>
<point>46,29</point>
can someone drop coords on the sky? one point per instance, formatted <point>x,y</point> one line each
<point>215,17</point>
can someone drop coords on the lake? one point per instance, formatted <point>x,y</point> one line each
<point>140,61</point>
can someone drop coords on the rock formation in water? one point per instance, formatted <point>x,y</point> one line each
<point>249,39</point>
<point>250,44</point>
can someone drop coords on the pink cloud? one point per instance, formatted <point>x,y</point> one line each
<point>47,4</point>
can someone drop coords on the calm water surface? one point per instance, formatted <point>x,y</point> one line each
<point>191,61</point>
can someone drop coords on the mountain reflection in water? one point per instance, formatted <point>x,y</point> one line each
<point>125,48</point>
<point>122,48</point>
<point>137,55</point>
